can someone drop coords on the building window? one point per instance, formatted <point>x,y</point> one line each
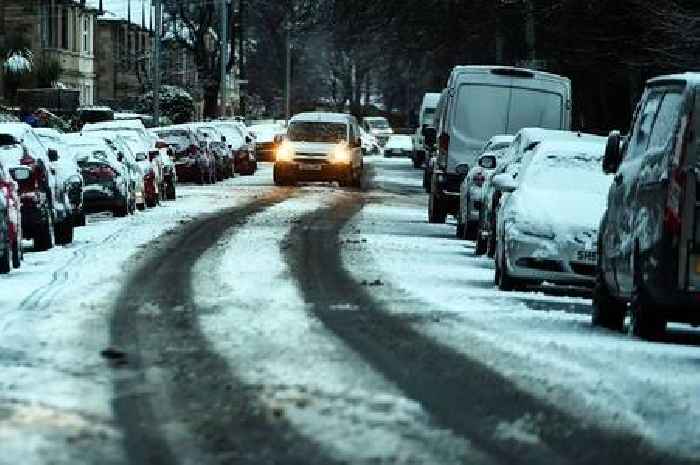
<point>64,29</point>
<point>86,34</point>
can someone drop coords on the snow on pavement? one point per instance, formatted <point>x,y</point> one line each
<point>544,343</point>
<point>55,390</point>
<point>259,321</point>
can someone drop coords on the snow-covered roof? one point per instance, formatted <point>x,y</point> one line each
<point>115,125</point>
<point>319,116</point>
<point>587,143</point>
<point>16,130</point>
<point>78,140</point>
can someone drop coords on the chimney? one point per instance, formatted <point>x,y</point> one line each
<point>102,10</point>
<point>128,12</point>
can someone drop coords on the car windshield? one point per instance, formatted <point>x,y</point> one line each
<point>317,132</point>
<point>7,140</point>
<point>567,171</point>
<point>379,124</point>
<point>483,111</point>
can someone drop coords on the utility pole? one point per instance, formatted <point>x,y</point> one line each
<point>242,82</point>
<point>224,53</point>
<point>156,61</point>
<point>288,75</point>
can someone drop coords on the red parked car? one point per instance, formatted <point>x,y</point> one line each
<point>11,218</point>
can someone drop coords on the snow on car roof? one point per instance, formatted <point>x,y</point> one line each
<point>14,129</point>
<point>115,125</point>
<point>78,140</point>
<point>321,117</point>
<point>503,138</point>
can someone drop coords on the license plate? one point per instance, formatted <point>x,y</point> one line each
<point>587,256</point>
<point>309,167</point>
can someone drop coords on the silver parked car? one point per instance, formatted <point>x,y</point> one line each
<point>548,226</point>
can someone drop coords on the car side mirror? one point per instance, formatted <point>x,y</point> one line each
<point>488,162</point>
<point>223,138</point>
<point>430,136</point>
<point>462,169</point>
<point>140,156</point>
<point>613,153</point>
<point>152,155</point>
<point>248,139</point>
<point>20,173</point>
<point>505,183</point>
<point>53,155</point>
<point>278,139</point>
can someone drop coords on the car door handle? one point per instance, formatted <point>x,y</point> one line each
<point>619,178</point>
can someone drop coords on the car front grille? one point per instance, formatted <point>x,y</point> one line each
<point>541,264</point>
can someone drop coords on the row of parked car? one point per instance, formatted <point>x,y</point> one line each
<point>50,181</point>
<point>551,206</point>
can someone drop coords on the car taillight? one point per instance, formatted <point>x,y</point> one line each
<point>479,179</point>
<point>677,182</point>
<point>444,142</point>
<point>27,159</point>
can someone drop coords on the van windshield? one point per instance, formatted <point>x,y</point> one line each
<point>484,111</point>
<point>317,132</point>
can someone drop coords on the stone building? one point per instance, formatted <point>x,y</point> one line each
<point>61,30</point>
<point>123,61</point>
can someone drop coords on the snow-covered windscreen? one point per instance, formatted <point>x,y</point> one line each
<point>317,132</point>
<point>484,111</point>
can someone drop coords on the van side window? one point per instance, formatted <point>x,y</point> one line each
<point>666,121</point>
<point>645,122</point>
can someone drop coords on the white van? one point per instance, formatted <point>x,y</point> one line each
<point>426,119</point>
<point>484,101</point>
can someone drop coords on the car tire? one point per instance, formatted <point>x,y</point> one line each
<point>141,206</point>
<point>16,254</point>
<point>170,192</point>
<point>481,246</point>
<point>645,322</point>
<point>416,162</point>
<point>63,232</point>
<point>151,203</point>
<point>437,213</point>
<point>79,220</point>
<point>607,311</point>
<point>471,228</point>
<point>5,258</point>
<point>506,283</point>
<point>426,180</point>
<point>459,232</point>
<point>44,239</point>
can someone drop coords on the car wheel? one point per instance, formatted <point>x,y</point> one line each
<point>416,162</point>
<point>79,219</point>
<point>171,194</point>
<point>63,232</point>
<point>16,255</point>
<point>460,230</point>
<point>437,213</point>
<point>481,246</point>
<point>645,321</point>
<point>140,206</point>
<point>44,239</point>
<point>607,312</point>
<point>5,258</point>
<point>506,283</point>
<point>426,180</point>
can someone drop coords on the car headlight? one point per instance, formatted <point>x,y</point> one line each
<point>340,154</point>
<point>285,152</point>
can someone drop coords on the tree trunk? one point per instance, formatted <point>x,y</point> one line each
<point>211,101</point>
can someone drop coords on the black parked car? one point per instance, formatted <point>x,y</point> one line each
<point>649,240</point>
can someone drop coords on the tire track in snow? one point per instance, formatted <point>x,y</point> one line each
<point>178,401</point>
<point>461,394</point>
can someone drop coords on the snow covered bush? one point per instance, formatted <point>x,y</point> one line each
<point>176,104</point>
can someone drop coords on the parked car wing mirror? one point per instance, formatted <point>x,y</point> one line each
<point>120,157</point>
<point>462,169</point>
<point>279,138</point>
<point>20,173</point>
<point>53,155</point>
<point>488,162</point>
<point>152,155</point>
<point>140,156</point>
<point>505,183</point>
<point>248,139</point>
<point>612,157</point>
<point>223,138</point>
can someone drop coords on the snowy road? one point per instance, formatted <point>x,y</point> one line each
<point>319,325</point>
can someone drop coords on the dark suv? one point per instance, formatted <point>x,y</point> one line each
<point>649,239</point>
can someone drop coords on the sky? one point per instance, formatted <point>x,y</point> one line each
<point>119,8</point>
